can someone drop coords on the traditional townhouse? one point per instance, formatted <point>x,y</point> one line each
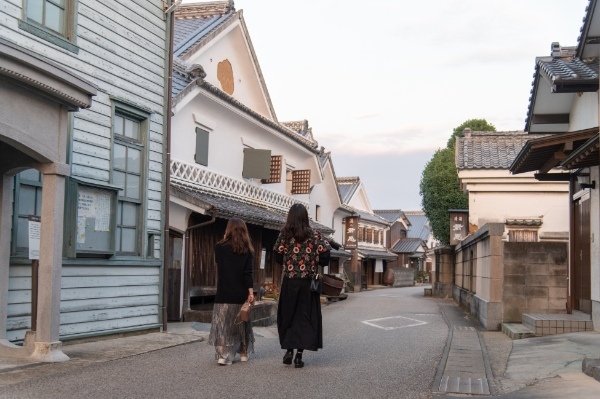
<point>83,139</point>
<point>371,235</point>
<point>403,270</point>
<point>510,256</point>
<point>564,102</point>
<point>230,155</point>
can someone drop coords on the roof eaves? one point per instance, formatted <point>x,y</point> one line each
<point>585,156</point>
<point>587,22</point>
<point>545,143</point>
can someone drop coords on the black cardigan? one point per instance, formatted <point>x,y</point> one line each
<point>234,275</point>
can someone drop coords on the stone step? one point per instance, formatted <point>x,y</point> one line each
<point>517,331</point>
<point>550,324</point>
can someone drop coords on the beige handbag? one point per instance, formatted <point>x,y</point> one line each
<point>244,314</point>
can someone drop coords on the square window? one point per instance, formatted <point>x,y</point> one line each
<point>51,20</point>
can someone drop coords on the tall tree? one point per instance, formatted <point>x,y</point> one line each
<point>439,187</point>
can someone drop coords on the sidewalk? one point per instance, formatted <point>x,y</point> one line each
<point>547,367</point>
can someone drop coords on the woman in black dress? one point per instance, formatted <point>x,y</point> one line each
<point>234,255</point>
<point>300,249</point>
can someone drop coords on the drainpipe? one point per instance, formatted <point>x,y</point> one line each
<point>168,112</point>
<point>187,264</point>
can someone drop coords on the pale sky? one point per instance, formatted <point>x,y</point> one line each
<point>383,83</point>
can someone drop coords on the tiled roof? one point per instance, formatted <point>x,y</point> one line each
<point>371,217</point>
<point>347,187</point>
<point>300,127</point>
<point>564,72</point>
<point>374,254</point>
<point>585,30</point>
<point>489,150</point>
<point>196,21</point>
<point>180,78</point>
<point>389,215</point>
<point>407,245</point>
<point>419,228</point>
<point>228,208</point>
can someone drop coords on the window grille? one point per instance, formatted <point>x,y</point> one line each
<point>301,182</point>
<point>276,161</point>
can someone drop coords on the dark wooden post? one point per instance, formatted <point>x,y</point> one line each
<point>35,265</point>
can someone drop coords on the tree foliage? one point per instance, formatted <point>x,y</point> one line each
<point>477,125</point>
<point>439,187</point>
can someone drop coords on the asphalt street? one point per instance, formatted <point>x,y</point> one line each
<point>379,344</point>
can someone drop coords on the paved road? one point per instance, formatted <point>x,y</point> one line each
<point>378,344</point>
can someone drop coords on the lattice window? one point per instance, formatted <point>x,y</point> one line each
<point>361,234</point>
<point>275,170</point>
<point>301,182</point>
<point>369,235</point>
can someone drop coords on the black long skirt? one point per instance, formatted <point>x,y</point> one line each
<point>299,320</point>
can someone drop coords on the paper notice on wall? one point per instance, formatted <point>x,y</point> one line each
<point>85,204</point>
<point>102,203</point>
<point>378,266</point>
<point>34,237</point>
<point>80,229</point>
<point>94,204</point>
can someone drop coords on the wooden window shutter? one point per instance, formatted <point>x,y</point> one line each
<point>301,182</point>
<point>201,156</point>
<point>275,170</point>
<point>369,235</point>
<point>361,234</point>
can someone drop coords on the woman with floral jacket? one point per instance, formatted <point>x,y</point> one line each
<point>301,250</point>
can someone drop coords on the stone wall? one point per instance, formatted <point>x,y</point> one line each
<point>444,272</point>
<point>404,277</point>
<point>535,279</point>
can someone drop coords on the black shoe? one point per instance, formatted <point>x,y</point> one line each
<point>298,363</point>
<point>287,358</point>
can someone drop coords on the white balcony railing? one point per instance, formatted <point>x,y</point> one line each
<point>206,181</point>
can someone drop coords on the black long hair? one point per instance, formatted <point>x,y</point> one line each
<point>297,225</point>
<point>236,235</point>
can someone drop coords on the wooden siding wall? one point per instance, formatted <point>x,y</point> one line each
<point>121,51</point>
<point>92,298</point>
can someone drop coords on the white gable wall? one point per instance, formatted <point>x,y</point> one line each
<point>584,112</point>
<point>232,46</point>
<point>325,195</point>
<point>360,200</point>
<point>230,131</point>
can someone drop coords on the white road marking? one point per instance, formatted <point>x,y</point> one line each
<point>373,324</point>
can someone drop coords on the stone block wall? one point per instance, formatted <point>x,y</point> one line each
<point>404,277</point>
<point>444,272</point>
<point>535,279</point>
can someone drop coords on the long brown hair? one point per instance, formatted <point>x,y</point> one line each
<point>297,225</point>
<point>236,235</point>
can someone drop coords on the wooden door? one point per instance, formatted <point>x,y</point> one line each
<point>174,276</point>
<point>581,268</point>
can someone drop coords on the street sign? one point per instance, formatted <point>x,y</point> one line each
<point>351,233</point>
<point>34,236</point>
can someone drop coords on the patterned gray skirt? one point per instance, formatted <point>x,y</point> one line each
<point>227,336</point>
